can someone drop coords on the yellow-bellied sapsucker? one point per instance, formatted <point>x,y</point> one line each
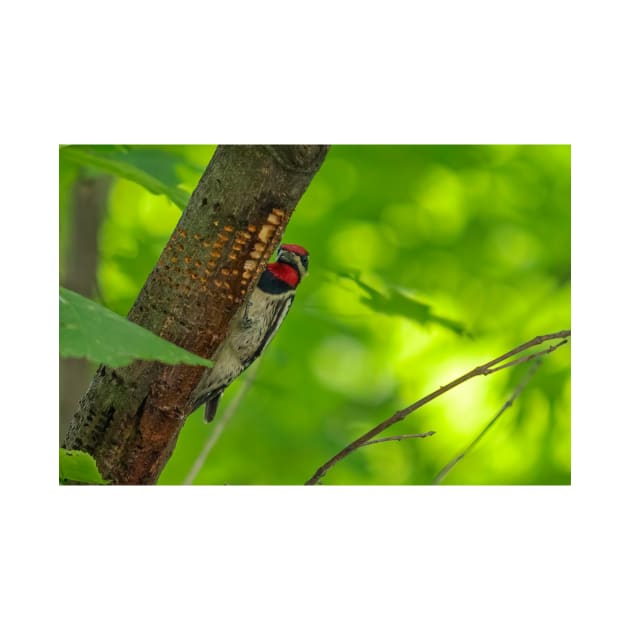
<point>253,326</point>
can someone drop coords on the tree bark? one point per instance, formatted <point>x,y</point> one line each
<point>130,417</point>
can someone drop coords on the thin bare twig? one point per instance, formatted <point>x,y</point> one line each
<point>526,358</point>
<point>508,403</point>
<point>403,413</point>
<point>398,438</point>
<point>220,424</point>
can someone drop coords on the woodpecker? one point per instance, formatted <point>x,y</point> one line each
<point>253,326</point>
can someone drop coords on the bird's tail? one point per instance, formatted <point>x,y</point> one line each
<point>211,400</point>
<point>211,406</point>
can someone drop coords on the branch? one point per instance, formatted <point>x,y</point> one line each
<point>398,438</point>
<point>526,358</point>
<point>403,413</point>
<point>508,403</point>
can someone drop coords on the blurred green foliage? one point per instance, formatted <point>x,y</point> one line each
<point>426,261</point>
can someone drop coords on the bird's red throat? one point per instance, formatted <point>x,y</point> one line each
<point>285,272</point>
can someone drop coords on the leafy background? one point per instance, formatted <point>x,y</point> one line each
<point>425,262</point>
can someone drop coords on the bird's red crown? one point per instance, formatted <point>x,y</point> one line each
<point>296,249</point>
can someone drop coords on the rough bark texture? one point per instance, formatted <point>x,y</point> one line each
<point>130,417</point>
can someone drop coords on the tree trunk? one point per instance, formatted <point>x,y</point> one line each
<point>130,417</point>
<point>89,203</point>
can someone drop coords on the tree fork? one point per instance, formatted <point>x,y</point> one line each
<point>130,417</point>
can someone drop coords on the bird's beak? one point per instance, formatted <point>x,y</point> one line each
<point>284,255</point>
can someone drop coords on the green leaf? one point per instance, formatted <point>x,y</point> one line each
<point>78,466</point>
<point>87,329</point>
<point>151,167</point>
